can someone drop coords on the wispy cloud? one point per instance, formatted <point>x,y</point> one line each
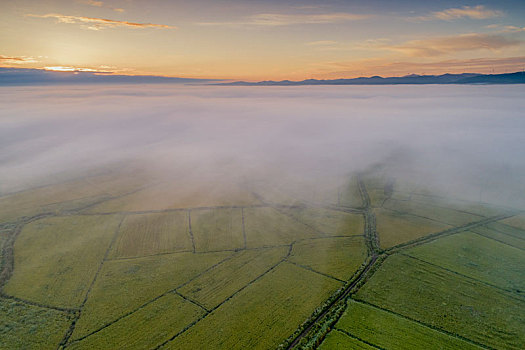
<point>16,59</point>
<point>506,28</point>
<point>277,19</point>
<point>322,43</point>
<point>97,3</point>
<point>452,44</point>
<point>99,23</point>
<point>472,12</point>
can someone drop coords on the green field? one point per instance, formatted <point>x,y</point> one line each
<point>447,301</point>
<point>336,257</point>
<point>57,258</point>
<point>394,228</point>
<point>129,266</point>
<point>217,229</point>
<point>24,326</point>
<point>162,319</point>
<point>477,257</point>
<point>386,330</point>
<point>149,234</point>
<point>261,315</point>
<point>125,285</point>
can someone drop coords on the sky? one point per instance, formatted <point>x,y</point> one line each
<point>260,40</point>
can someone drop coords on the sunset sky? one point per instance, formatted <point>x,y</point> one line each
<point>270,39</point>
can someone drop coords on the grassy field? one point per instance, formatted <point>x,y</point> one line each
<point>390,331</point>
<point>440,214</point>
<point>395,228</point>
<point>517,221</point>
<point>148,234</point>
<point>447,301</point>
<point>336,257</point>
<point>261,315</point>
<point>268,227</point>
<point>477,257</point>
<point>30,327</point>
<point>337,340</point>
<point>125,285</point>
<point>215,286</point>
<point>500,237</point>
<point>217,229</point>
<point>57,258</point>
<point>146,328</point>
<point>329,222</point>
<point>506,229</point>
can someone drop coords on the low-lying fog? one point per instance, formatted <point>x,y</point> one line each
<point>461,141</point>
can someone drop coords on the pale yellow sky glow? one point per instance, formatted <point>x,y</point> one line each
<point>256,40</point>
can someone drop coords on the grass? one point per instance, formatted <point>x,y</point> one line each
<point>30,327</point>
<point>216,285</point>
<point>268,227</point>
<point>349,195</point>
<point>337,257</point>
<point>447,301</point>
<point>329,222</point>
<point>508,230</point>
<point>179,194</point>
<point>440,214</point>
<point>395,228</point>
<point>390,331</point>
<point>125,285</point>
<point>477,257</point>
<point>337,340</point>
<point>217,229</point>
<point>500,237</point>
<point>146,328</point>
<point>262,315</point>
<point>517,221</point>
<point>148,234</point>
<point>57,258</point>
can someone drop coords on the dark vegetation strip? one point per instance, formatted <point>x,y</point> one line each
<point>315,271</point>
<point>451,334</point>
<point>230,297</point>
<point>154,299</point>
<point>405,213</point>
<point>8,250</point>
<point>513,292</point>
<point>71,328</point>
<point>495,239</point>
<point>316,327</point>
<point>348,334</point>
<point>191,232</point>
<point>32,303</point>
<point>194,302</point>
<point>243,228</point>
<point>508,234</point>
<point>448,232</point>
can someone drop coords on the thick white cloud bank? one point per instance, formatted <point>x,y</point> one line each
<point>464,141</point>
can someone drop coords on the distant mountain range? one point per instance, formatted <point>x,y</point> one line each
<point>26,76</point>
<point>465,78</point>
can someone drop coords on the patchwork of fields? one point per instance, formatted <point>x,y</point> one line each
<point>112,264</point>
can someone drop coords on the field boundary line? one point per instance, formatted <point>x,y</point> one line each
<point>444,233</point>
<point>194,302</point>
<point>71,329</point>
<point>35,304</point>
<point>464,276</point>
<point>494,239</point>
<point>505,233</point>
<point>443,331</point>
<point>191,231</point>
<point>315,271</point>
<point>350,335</point>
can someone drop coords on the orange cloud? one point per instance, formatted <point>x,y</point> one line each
<point>473,12</point>
<point>16,59</point>
<point>99,23</point>
<point>100,4</point>
<point>451,44</point>
<point>277,19</point>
